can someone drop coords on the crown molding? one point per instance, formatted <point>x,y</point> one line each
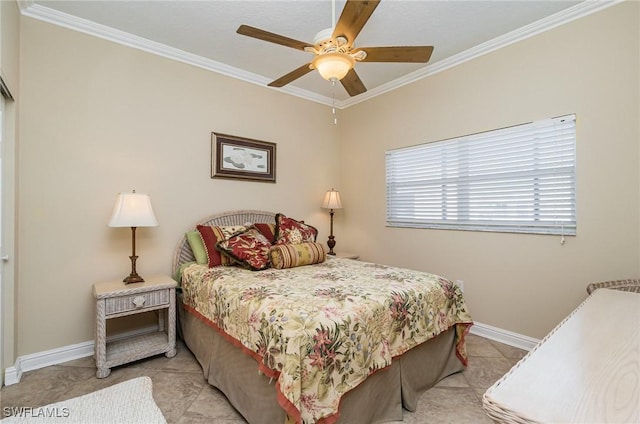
<point>52,16</point>
<point>46,14</point>
<point>578,11</point>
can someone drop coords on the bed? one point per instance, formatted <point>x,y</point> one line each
<point>337,341</point>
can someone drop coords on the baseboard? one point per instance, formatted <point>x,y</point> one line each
<point>60,355</point>
<point>504,336</point>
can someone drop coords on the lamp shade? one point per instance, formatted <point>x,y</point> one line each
<point>133,210</point>
<point>332,200</point>
<point>333,66</point>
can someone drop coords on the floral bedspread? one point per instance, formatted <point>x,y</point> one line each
<point>322,329</point>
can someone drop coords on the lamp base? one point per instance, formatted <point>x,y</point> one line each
<point>133,278</point>
<point>331,243</point>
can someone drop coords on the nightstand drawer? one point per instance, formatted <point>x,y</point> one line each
<point>116,305</point>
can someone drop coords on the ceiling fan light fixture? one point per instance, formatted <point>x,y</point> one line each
<point>334,50</point>
<point>333,66</point>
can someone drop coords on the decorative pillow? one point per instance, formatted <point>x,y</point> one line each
<point>290,231</point>
<point>211,235</point>
<point>267,230</point>
<point>248,248</point>
<point>197,247</point>
<point>292,255</point>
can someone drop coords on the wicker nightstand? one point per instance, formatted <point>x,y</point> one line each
<point>348,255</point>
<point>114,299</point>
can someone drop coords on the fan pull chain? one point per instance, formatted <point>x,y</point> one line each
<point>333,103</point>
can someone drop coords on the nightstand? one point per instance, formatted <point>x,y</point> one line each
<point>114,299</point>
<point>347,255</point>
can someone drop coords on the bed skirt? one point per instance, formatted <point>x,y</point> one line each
<point>380,398</point>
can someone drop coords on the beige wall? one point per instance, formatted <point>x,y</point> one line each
<point>521,283</point>
<point>9,44</point>
<point>99,118</point>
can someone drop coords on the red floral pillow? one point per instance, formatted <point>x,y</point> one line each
<point>290,231</point>
<point>248,248</point>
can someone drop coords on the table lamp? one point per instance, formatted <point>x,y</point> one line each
<point>133,210</point>
<point>331,202</point>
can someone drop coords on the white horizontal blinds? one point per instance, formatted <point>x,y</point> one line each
<point>516,179</point>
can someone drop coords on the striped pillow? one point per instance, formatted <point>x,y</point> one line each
<point>292,255</point>
<point>211,235</point>
<point>267,230</point>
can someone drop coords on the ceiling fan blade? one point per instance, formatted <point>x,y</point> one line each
<point>355,14</point>
<point>353,84</point>
<point>416,54</point>
<point>261,34</point>
<point>291,76</point>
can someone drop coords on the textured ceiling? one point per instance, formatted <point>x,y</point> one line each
<point>206,30</point>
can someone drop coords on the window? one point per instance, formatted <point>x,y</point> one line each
<point>517,179</point>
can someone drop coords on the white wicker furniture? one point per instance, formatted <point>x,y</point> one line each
<point>114,299</point>
<point>630,285</point>
<point>353,256</point>
<point>587,370</point>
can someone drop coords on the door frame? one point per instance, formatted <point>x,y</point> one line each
<point>8,124</point>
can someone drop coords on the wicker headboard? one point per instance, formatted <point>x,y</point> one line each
<point>183,252</point>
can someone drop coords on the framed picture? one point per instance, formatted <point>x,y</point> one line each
<point>242,158</point>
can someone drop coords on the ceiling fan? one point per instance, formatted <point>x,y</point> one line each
<point>334,51</point>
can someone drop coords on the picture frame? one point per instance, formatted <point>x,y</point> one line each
<point>242,158</point>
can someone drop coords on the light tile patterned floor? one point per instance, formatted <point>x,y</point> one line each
<point>185,397</point>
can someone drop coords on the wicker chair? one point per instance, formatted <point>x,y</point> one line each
<point>631,285</point>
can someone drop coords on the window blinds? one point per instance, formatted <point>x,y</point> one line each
<point>516,179</point>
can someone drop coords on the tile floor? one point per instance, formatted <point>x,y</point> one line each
<point>184,396</point>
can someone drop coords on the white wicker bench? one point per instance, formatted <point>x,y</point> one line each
<point>587,370</point>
